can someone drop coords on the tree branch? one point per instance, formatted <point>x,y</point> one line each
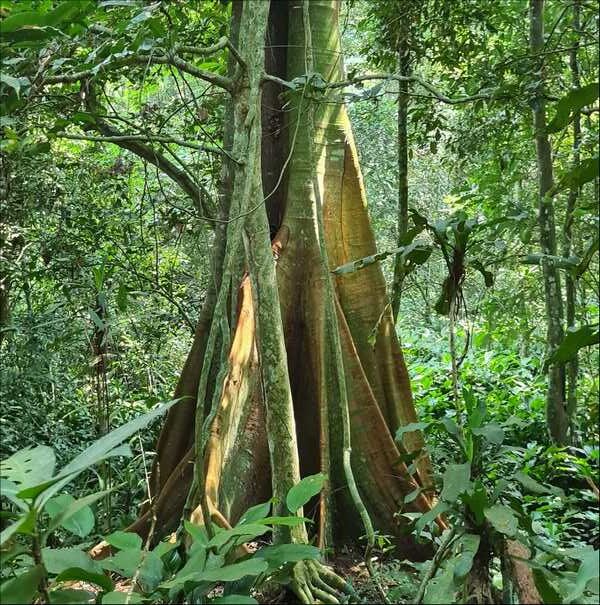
<point>388,76</point>
<point>145,60</point>
<point>141,138</point>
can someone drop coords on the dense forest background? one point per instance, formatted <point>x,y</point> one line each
<point>106,264</point>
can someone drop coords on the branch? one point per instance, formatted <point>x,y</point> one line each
<point>194,191</point>
<point>132,138</point>
<point>145,60</point>
<point>426,85</point>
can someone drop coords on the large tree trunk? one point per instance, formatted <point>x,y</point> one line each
<point>277,413</point>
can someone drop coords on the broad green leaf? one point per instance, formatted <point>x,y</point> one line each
<point>588,571</point>
<point>570,104</point>
<point>467,546</point>
<point>197,533</point>
<point>12,82</point>
<point>25,524</point>
<point>229,573</point>
<point>440,589</point>
<point>409,428</point>
<point>255,513</point>
<point>430,516</point>
<point>125,562</point>
<point>285,553</point>
<point>287,521</point>
<point>58,560</point>
<point>303,491</point>
<point>247,531</point>
<point>234,599</point>
<point>491,432</point>
<point>151,572</point>
<point>54,485</point>
<point>503,519</point>
<point>575,339</point>
<point>29,466</point>
<point>74,515</point>
<point>69,596</point>
<point>477,501</point>
<point>457,480</point>
<point>77,574</point>
<point>104,447</point>
<point>584,172</point>
<point>118,597</point>
<point>530,484</point>
<point>23,588</point>
<point>9,490</point>
<point>548,593</point>
<point>124,540</point>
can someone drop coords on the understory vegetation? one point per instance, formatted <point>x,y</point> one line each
<point>299,301</point>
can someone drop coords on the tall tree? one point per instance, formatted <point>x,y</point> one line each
<point>555,398</point>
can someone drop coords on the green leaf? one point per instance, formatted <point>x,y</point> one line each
<point>23,588</point>
<point>468,544</point>
<point>29,466</point>
<point>12,82</point>
<point>588,571</point>
<point>125,562</point>
<point>491,432</point>
<point>457,480</point>
<point>25,524</point>
<point>287,521</point>
<point>248,531</point>
<point>77,574</point>
<point>546,590</point>
<point>430,516</point>
<point>440,589</point>
<point>234,599</point>
<point>104,447</point>
<point>584,172</point>
<point>229,573</point>
<point>303,491</point>
<point>70,596</point>
<point>74,515</point>
<point>118,597</point>
<point>58,560</point>
<point>477,501</point>
<point>570,104</point>
<point>124,540</point>
<point>410,428</point>
<point>530,484</point>
<point>9,490</point>
<point>286,553</point>
<point>255,513</point>
<point>575,339</point>
<point>503,519</point>
<point>197,533</point>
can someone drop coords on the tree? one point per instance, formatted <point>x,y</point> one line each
<point>321,324</point>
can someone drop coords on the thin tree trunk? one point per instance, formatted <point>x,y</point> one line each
<point>556,416</point>
<point>570,281</point>
<point>403,99</point>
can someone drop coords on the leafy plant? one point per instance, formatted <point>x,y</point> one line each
<point>482,496</point>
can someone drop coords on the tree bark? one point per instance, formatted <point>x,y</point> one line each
<point>403,145</point>
<point>276,383</point>
<point>556,415</point>
<point>570,281</point>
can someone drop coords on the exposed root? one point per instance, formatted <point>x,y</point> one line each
<point>313,582</point>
